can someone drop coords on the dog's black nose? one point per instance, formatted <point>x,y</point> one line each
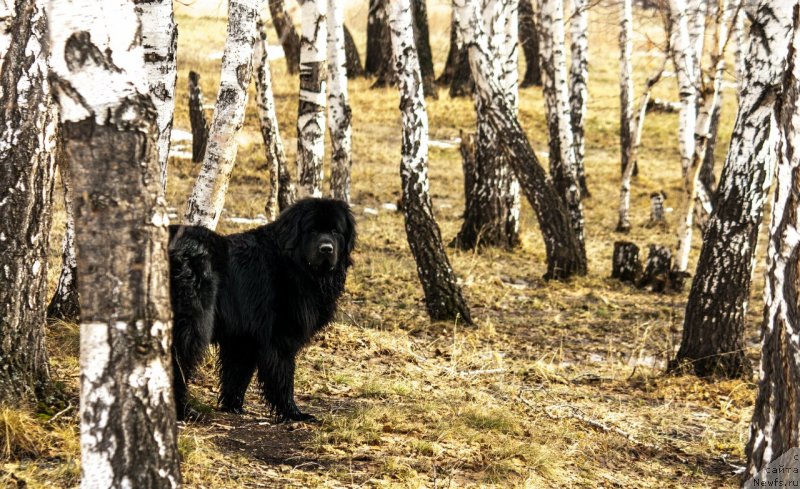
<point>326,248</point>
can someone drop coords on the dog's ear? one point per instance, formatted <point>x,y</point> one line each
<point>290,227</point>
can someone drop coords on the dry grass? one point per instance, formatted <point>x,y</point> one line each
<point>514,402</point>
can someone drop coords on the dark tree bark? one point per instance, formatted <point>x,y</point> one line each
<point>128,427</point>
<point>28,128</point>
<point>657,209</point>
<point>564,257</point>
<point>422,38</point>
<point>713,328</point>
<point>450,64</point>
<point>354,68</point>
<point>65,305</point>
<point>290,40</point>
<point>775,427</point>
<point>657,270</point>
<point>529,40</point>
<point>197,118</point>
<point>379,49</point>
<point>626,264</point>
<point>443,296</point>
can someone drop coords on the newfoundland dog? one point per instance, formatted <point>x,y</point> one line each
<point>260,295</point>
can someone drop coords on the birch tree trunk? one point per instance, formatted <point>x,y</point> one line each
<point>740,37</point>
<point>354,68</point>
<point>692,182</point>
<point>563,167</point>
<point>579,76</point>
<point>443,296</point>
<point>696,11</point>
<point>311,107</point>
<point>160,43</point>
<point>422,38</point>
<point>713,327</point>
<point>684,59</point>
<point>128,427</point>
<point>339,115</point>
<point>65,305</point>
<point>290,41</point>
<point>529,39</point>
<point>197,118</point>
<point>379,48</point>
<point>208,195</point>
<point>564,258</point>
<point>491,215</point>
<point>775,427</point>
<point>268,121</point>
<point>28,131</point>
<point>626,113</point>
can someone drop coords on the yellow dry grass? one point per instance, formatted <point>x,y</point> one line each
<point>559,384</point>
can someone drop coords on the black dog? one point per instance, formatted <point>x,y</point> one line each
<point>260,295</point>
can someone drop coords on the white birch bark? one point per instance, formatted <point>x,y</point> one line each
<point>160,42</point>
<point>775,426</point>
<point>713,328</point>
<point>64,304</point>
<point>208,195</point>
<point>443,297</point>
<point>626,113</point>
<point>696,11</point>
<point>6,15</point>
<point>311,107</point>
<point>128,428</point>
<point>579,78</point>
<point>684,60</point>
<point>692,183</point>
<point>339,115</point>
<point>268,121</point>
<point>562,150</point>
<point>740,38</point>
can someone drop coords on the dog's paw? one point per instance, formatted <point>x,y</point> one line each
<point>298,416</point>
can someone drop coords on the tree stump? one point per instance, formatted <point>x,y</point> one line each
<point>626,264</point>
<point>197,118</point>
<point>657,209</point>
<point>657,269</point>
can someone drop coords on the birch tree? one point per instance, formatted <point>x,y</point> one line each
<point>703,128</point>
<point>563,165</point>
<point>287,35</point>
<point>64,304</point>
<point>28,124</point>
<point>713,328</point>
<point>579,77</point>
<point>529,40</point>
<point>208,195</point>
<point>696,12</point>
<point>564,257</point>
<point>684,61</point>
<point>339,114</point>
<point>774,428</point>
<point>128,428</point>
<point>379,48</point>
<point>626,113</point>
<point>311,107</point>
<point>443,296</point>
<point>160,43</point>
<point>268,122</point>
<point>491,215</point>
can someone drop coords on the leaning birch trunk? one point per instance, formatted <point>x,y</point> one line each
<point>28,123</point>
<point>128,428</point>
<point>713,328</point>
<point>290,41</point>
<point>579,77</point>
<point>208,196</point>
<point>740,37</point>
<point>775,427</point>
<point>160,42</point>
<point>268,121</point>
<point>64,304</point>
<point>339,115</point>
<point>443,296</point>
<point>692,184</point>
<point>564,257</point>
<point>563,167</point>
<point>684,60</point>
<point>491,213</point>
<point>311,107</point>
<point>626,114</point>
<point>696,12</point>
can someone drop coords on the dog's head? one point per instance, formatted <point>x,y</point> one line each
<point>318,233</point>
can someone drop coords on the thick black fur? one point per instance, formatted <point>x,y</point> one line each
<point>261,295</point>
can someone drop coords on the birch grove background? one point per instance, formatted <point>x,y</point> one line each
<point>568,229</point>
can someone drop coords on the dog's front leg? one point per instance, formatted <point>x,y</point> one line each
<point>276,376</point>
